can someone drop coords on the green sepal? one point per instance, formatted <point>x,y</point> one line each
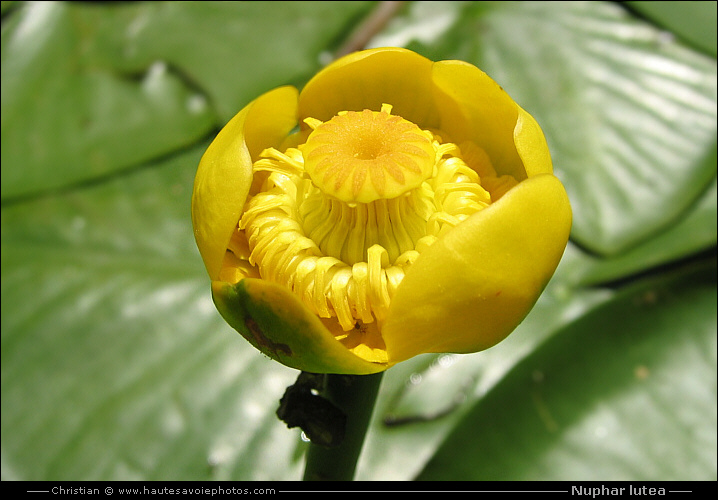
<point>275,322</point>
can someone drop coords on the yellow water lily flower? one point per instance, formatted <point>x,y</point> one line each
<point>396,206</point>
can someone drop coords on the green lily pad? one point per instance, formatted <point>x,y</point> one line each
<point>696,232</point>
<point>627,392</point>
<point>65,121</point>
<point>694,22</point>
<point>233,51</point>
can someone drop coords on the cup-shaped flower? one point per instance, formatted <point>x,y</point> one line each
<point>396,206</point>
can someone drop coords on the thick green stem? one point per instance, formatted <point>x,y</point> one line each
<point>355,396</point>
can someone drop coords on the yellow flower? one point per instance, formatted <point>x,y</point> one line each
<point>396,206</point>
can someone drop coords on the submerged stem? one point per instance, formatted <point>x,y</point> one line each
<point>355,395</point>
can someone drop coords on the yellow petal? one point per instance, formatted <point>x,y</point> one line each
<point>274,321</point>
<point>224,175</point>
<point>474,107</point>
<point>531,145</point>
<point>473,286</point>
<point>370,78</point>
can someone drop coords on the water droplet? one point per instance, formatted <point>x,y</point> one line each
<point>446,360</point>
